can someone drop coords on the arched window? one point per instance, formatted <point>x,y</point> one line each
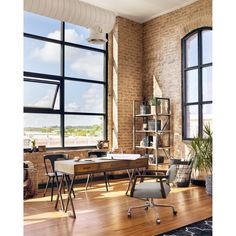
<point>196,81</point>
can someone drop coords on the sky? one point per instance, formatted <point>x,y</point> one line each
<point>44,57</point>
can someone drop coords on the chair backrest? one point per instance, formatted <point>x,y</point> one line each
<point>171,172</point>
<point>97,154</point>
<point>52,158</point>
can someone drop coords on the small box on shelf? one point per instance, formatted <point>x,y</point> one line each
<point>154,124</point>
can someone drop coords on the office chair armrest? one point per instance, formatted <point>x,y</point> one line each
<point>160,177</point>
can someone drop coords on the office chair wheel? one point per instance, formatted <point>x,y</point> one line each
<point>146,208</point>
<point>158,221</point>
<point>129,214</point>
<point>175,212</point>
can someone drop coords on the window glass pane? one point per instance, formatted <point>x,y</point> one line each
<point>207,114</point>
<point>192,51</point>
<point>84,64</point>
<point>207,83</point>
<point>42,25</point>
<point>84,97</point>
<point>41,56</point>
<point>83,130</point>
<point>78,34</point>
<point>191,121</point>
<point>44,128</point>
<point>206,46</point>
<point>39,94</point>
<point>192,86</point>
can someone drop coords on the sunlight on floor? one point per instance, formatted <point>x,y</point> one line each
<point>38,218</point>
<point>47,198</point>
<point>178,189</point>
<point>111,194</point>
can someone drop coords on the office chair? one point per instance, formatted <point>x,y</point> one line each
<point>90,176</point>
<point>149,190</point>
<point>52,175</point>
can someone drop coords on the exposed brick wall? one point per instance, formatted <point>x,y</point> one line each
<point>127,79</point>
<point>162,57</point>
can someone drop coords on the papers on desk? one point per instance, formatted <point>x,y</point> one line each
<point>123,156</point>
<point>83,160</point>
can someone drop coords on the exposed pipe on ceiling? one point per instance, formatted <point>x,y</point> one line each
<point>98,20</point>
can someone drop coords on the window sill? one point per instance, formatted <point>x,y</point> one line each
<point>67,150</point>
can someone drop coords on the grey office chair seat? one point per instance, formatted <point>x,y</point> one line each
<point>149,190</point>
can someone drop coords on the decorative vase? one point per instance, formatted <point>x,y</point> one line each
<point>143,109</point>
<point>198,178</point>
<point>209,184</point>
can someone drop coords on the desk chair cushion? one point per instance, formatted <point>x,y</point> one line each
<point>150,190</point>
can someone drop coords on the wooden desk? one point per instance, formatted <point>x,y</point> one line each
<point>96,165</point>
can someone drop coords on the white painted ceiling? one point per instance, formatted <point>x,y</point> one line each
<point>140,10</point>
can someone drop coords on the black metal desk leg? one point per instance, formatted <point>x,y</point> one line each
<point>59,193</point>
<point>130,181</point>
<point>69,198</point>
<point>105,177</point>
<point>68,181</point>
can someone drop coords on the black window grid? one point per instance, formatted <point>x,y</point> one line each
<point>198,67</point>
<point>60,80</point>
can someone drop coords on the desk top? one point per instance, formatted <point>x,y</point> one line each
<point>95,165</point>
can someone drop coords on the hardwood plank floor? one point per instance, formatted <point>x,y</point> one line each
<point>105,213</point>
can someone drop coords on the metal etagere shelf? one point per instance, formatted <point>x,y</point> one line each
<point>152,130</point>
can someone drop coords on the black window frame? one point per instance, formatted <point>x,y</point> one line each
<point>184,70</point>
<point>60,79</point>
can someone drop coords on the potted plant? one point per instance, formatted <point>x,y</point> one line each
<point>33,144</point>
<point>202,158</point>
<point>155,105</point>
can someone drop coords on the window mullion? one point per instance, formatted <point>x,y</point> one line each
<point>200,118</point>
<point>184,89</point>
<point>105,97</point>
<point>55,96</point>
<point>62,99</point>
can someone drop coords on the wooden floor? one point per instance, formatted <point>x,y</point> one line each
<point>105,213</point>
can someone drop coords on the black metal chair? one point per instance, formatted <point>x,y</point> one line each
<point>51,158</point>
<point>97,154</point>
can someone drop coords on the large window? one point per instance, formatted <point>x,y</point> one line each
<point>65,84</point>
<point>197,81</point>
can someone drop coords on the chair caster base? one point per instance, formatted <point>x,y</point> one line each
<point>175,212</point>
<point>158,221</point>
<point>129,214</point>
